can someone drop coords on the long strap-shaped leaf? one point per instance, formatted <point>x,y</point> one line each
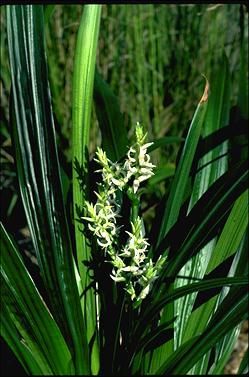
<point>38,173</point>
<point>13,338</point>
<point>199,225</point>
<point>181,292</point>
<point>228,315</point>
<point>190,234</point>
<point>176,196</point>
<point>227,244</point>
<point>83,80</point>
<point>183,169</point>
<point>224,348</point>
<point>27,325</point>
<point>217,116</point>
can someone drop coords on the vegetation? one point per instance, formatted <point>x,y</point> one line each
<point>142,245</point>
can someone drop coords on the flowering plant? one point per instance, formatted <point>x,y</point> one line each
<point>181,317</point>
<point>131,264</point>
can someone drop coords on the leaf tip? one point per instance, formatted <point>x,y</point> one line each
<point>204,97</point>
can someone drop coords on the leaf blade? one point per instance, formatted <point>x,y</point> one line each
<point>26,310</point>
<point>83,81</point>
<point>38,172</point>
<point>234,310</point>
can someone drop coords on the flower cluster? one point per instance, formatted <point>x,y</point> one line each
<point>130,264</point>
<point>138,161</point>
<point>102,221</point>
<point>140,272</point>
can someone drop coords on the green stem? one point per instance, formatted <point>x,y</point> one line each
<point>134,210</point>
<point>134,205</point>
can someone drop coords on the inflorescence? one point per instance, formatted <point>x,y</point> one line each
<point>131,264</point>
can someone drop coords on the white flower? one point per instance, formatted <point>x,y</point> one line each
<point>130,289</point>
<point>144,292</point>
<point>138,162</point>
<point>132,269</point>
<point>117,279</point>
<point>131,265</point>
<point>101,218</point>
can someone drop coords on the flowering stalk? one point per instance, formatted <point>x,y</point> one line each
<point>130,264</point>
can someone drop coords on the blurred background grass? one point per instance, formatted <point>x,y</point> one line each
<point>151,55</point>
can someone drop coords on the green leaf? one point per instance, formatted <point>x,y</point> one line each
<point>217,117</point>
<point>176,197</point>
<point>83,80</point>
<point>114,136</point>
<point>65,183</point>
<point>153,310</point>
<point>226,345</point>
<point>232,232</point>
<point>202,314</point>
<point>232,311</point>
<point>28,326</point>
<point>150,340</point>
<point>215,204</point>
<point>191,233</point>
<point>215,199</point>
<point>183,169</point>
<point>38,173</point>
<point>15,341</point>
